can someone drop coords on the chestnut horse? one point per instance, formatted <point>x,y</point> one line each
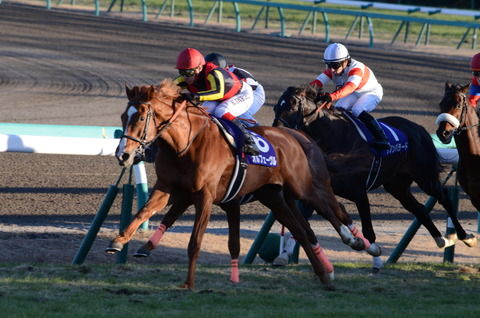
<point>351,161</point>
<point>459,120</point>
<point>195,163</point>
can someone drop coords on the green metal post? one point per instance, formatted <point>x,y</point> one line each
<point>257,18</point>
<point>400,27</point>
<point>352,27</point>
<point>97,8</point>
<point>307,19</point>
<point>282,22</point>
<point>238,20</point>
<point>97,222</point>
<point>370,31</point>
<point>144,11</point>
<point>261,235</point>
<point>408,236</point>
<point>327,27</point>
<point>125,218</point>
<point>211,11</point>
<point>190,11</point>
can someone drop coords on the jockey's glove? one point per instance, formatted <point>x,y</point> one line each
<point>193,97</point>
<point>325,100</point>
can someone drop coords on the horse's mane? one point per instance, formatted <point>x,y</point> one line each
<point>167,89</point>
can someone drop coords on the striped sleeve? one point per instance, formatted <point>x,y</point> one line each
<point>217,87</point>
<point>322,79</point>
<point>354,80</point>
<point>474,92</point>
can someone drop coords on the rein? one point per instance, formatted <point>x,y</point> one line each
<point>457,122</point>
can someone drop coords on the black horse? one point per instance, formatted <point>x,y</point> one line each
<point>356,168</point>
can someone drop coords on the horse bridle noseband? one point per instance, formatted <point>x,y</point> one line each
<point>445,116</point>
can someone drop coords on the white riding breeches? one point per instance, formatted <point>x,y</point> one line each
<point>236,105</point>
<point>360,102</point>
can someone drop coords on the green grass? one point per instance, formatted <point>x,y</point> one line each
<point>407,290</point>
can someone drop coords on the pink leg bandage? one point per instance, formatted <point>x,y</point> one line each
<point>322,257</point>
<point>359,234</point>
<point>157,236</point>
<point>234,275</point>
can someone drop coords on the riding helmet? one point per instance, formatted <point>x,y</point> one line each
<point>475,63</point>
<point>217,59</point>
<point>189,58</point>
<point>335,52</point>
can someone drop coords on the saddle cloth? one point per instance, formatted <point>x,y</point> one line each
<point>396,138</point>
<point>267,156</point>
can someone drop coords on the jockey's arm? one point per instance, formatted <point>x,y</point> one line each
<point>352,83</point>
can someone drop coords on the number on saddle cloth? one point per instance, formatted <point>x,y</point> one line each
<point>266,157</point>
<point>396,138</point>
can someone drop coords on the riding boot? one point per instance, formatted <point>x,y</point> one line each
<point>249,145</point>
<point>381,140</point>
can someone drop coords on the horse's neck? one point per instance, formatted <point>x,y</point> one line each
<point>183,135</point>
<point>332,132</point>
<point>468,142</point>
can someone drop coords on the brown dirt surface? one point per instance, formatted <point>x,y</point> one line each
<point>70,68</point>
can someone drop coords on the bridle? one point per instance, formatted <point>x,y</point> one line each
<point>458,123</point>
<point>299,118</point>
<point>160,127</point>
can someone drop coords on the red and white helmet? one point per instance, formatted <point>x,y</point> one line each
<point>475,62</point>
<point>189,58</point>
<point>335,52</point>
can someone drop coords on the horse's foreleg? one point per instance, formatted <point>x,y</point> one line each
<point>180,204</point>
<point>232,210</point>
<point>157,201</point>
<point>203,207</point>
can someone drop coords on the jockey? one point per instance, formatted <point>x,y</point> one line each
<point>357,89</point>
<point>474,92</point>
<point>258,91</point>
<point>222,93</point>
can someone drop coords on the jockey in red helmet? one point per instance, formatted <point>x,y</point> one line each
<point>221,92</point>
<point>474,93</point>
<point>356,89</point>
<point>258,92</point>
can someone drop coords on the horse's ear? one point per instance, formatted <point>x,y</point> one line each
<point>448,85</point>
<point>311,92</point>
<point>465,87</point>
<point>129,92</point>
<point>150,92</point>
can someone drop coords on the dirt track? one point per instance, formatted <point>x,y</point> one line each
<point>70,69</point>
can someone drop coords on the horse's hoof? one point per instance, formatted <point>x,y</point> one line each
<point>114,247</point>
<point>470,240</point>
<point>281,260</point>
<point>443,242</point>
<point>358,244</point>
<point>142,252</point>
<point>374,250</point>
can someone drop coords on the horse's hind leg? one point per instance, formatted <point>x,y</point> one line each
<point>400,189</point>
<point>436,190</point>
<point>272,197</point>
<point>157,201</point>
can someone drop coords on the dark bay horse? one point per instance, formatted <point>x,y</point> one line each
<point>355,169</point>
<point>459,120</point>
<point>194,165</point>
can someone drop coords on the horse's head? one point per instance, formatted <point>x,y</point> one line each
<point>149,111</point>
<point>294,106</point>
<point>453,109</point>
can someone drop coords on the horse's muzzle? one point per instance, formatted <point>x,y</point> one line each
<point>445,136</point>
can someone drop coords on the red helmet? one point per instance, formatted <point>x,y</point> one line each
<point>475,63</point>
<point>189,58</point>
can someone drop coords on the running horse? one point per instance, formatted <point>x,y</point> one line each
<point>356,168</point>
<point>195,163</point>
<point>460,121</point>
